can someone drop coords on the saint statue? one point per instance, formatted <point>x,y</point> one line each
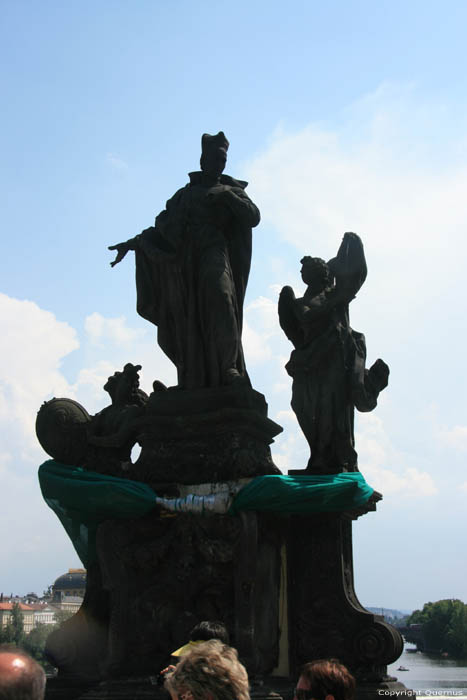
<point>192,270</point>
<point>328,364</point>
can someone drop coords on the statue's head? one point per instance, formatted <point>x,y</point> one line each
<point>316,272</point>
<point>123,387</point>
<point>213,154</point>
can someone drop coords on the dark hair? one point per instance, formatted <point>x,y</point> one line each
<point>329,677</point>
<point>208,629</point>
<point>26,683</point>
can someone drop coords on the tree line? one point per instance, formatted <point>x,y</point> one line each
<point>443,627</point>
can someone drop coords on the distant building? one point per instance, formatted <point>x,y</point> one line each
<point>67,596</point>
<point>68,590</point>
<point>43,614</point>
<point>6,612</point>
<point>72,584</point>
<point>67,603</point>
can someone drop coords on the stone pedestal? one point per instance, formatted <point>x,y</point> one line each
<point>205,435</point>
<point>158,577</point>
<point>326,619</point>
<point>283,585</point>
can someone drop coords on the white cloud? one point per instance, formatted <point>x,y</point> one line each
<point>455,437</point>
<point>259,330</point>
<point>255,346</point>
<point>34,344</point>
<point>384,467</point>
<point>263,312</point>
<point>286,417</point>
<point>374,175</point>
<point>101,330</point>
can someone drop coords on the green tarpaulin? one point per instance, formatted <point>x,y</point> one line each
<point>82,499</point>
<point>303,494</point>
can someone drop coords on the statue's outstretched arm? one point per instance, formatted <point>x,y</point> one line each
<point>122,249</point>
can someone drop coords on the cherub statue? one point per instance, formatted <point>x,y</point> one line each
<point>112,431</point>
<point>328,363</point>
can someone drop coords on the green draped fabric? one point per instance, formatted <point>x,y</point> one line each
<point>303,494</point>
<point>82,499</point>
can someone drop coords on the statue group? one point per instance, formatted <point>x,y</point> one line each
<point>151,578</point>
<point>192,270</point>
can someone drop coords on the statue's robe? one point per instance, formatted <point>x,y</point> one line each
<point>328,364</point>
<point>192,270</point>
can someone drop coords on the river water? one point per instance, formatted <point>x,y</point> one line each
<point>431,676</point>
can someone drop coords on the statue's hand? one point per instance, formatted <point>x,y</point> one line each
<point>217,194</point>
<point>122,249</point>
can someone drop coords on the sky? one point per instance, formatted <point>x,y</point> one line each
<point>343,116</point>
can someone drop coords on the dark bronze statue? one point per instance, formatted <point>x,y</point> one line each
<point>328,363</point>
<point>102,442</point>
<point>192,270</point>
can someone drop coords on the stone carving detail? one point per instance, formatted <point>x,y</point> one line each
<point>186,437</point>
<point>61,427</point>
<point>174,572</point>
<point>324,607</point>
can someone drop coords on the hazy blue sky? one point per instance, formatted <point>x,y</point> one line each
<point>343,116</point>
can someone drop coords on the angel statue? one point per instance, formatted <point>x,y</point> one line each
<point>328,362</point>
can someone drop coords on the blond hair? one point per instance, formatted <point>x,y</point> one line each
<point>211,668</point>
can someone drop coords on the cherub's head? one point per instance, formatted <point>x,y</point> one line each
<point>316,273</point>
<point>123,387</point>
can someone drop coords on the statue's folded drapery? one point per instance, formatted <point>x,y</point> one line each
<point>192,270</point>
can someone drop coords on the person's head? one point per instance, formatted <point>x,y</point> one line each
<point>325,679</point>
<point>315,272</point>
<point>21,678</point>
<point>208,629</point>
<point>213,154</point>
<point>211,671</point>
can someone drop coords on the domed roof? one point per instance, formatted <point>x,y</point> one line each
<point>75,578</point>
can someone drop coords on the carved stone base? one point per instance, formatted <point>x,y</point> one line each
<point>159,577</point>
<point>205,435</point>
<point>283,586</point>
<point>326,620</point>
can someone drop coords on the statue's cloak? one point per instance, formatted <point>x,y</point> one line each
<point>169,279</point>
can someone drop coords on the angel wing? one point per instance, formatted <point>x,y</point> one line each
<point>349,266</point>
<point>287,317</point>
